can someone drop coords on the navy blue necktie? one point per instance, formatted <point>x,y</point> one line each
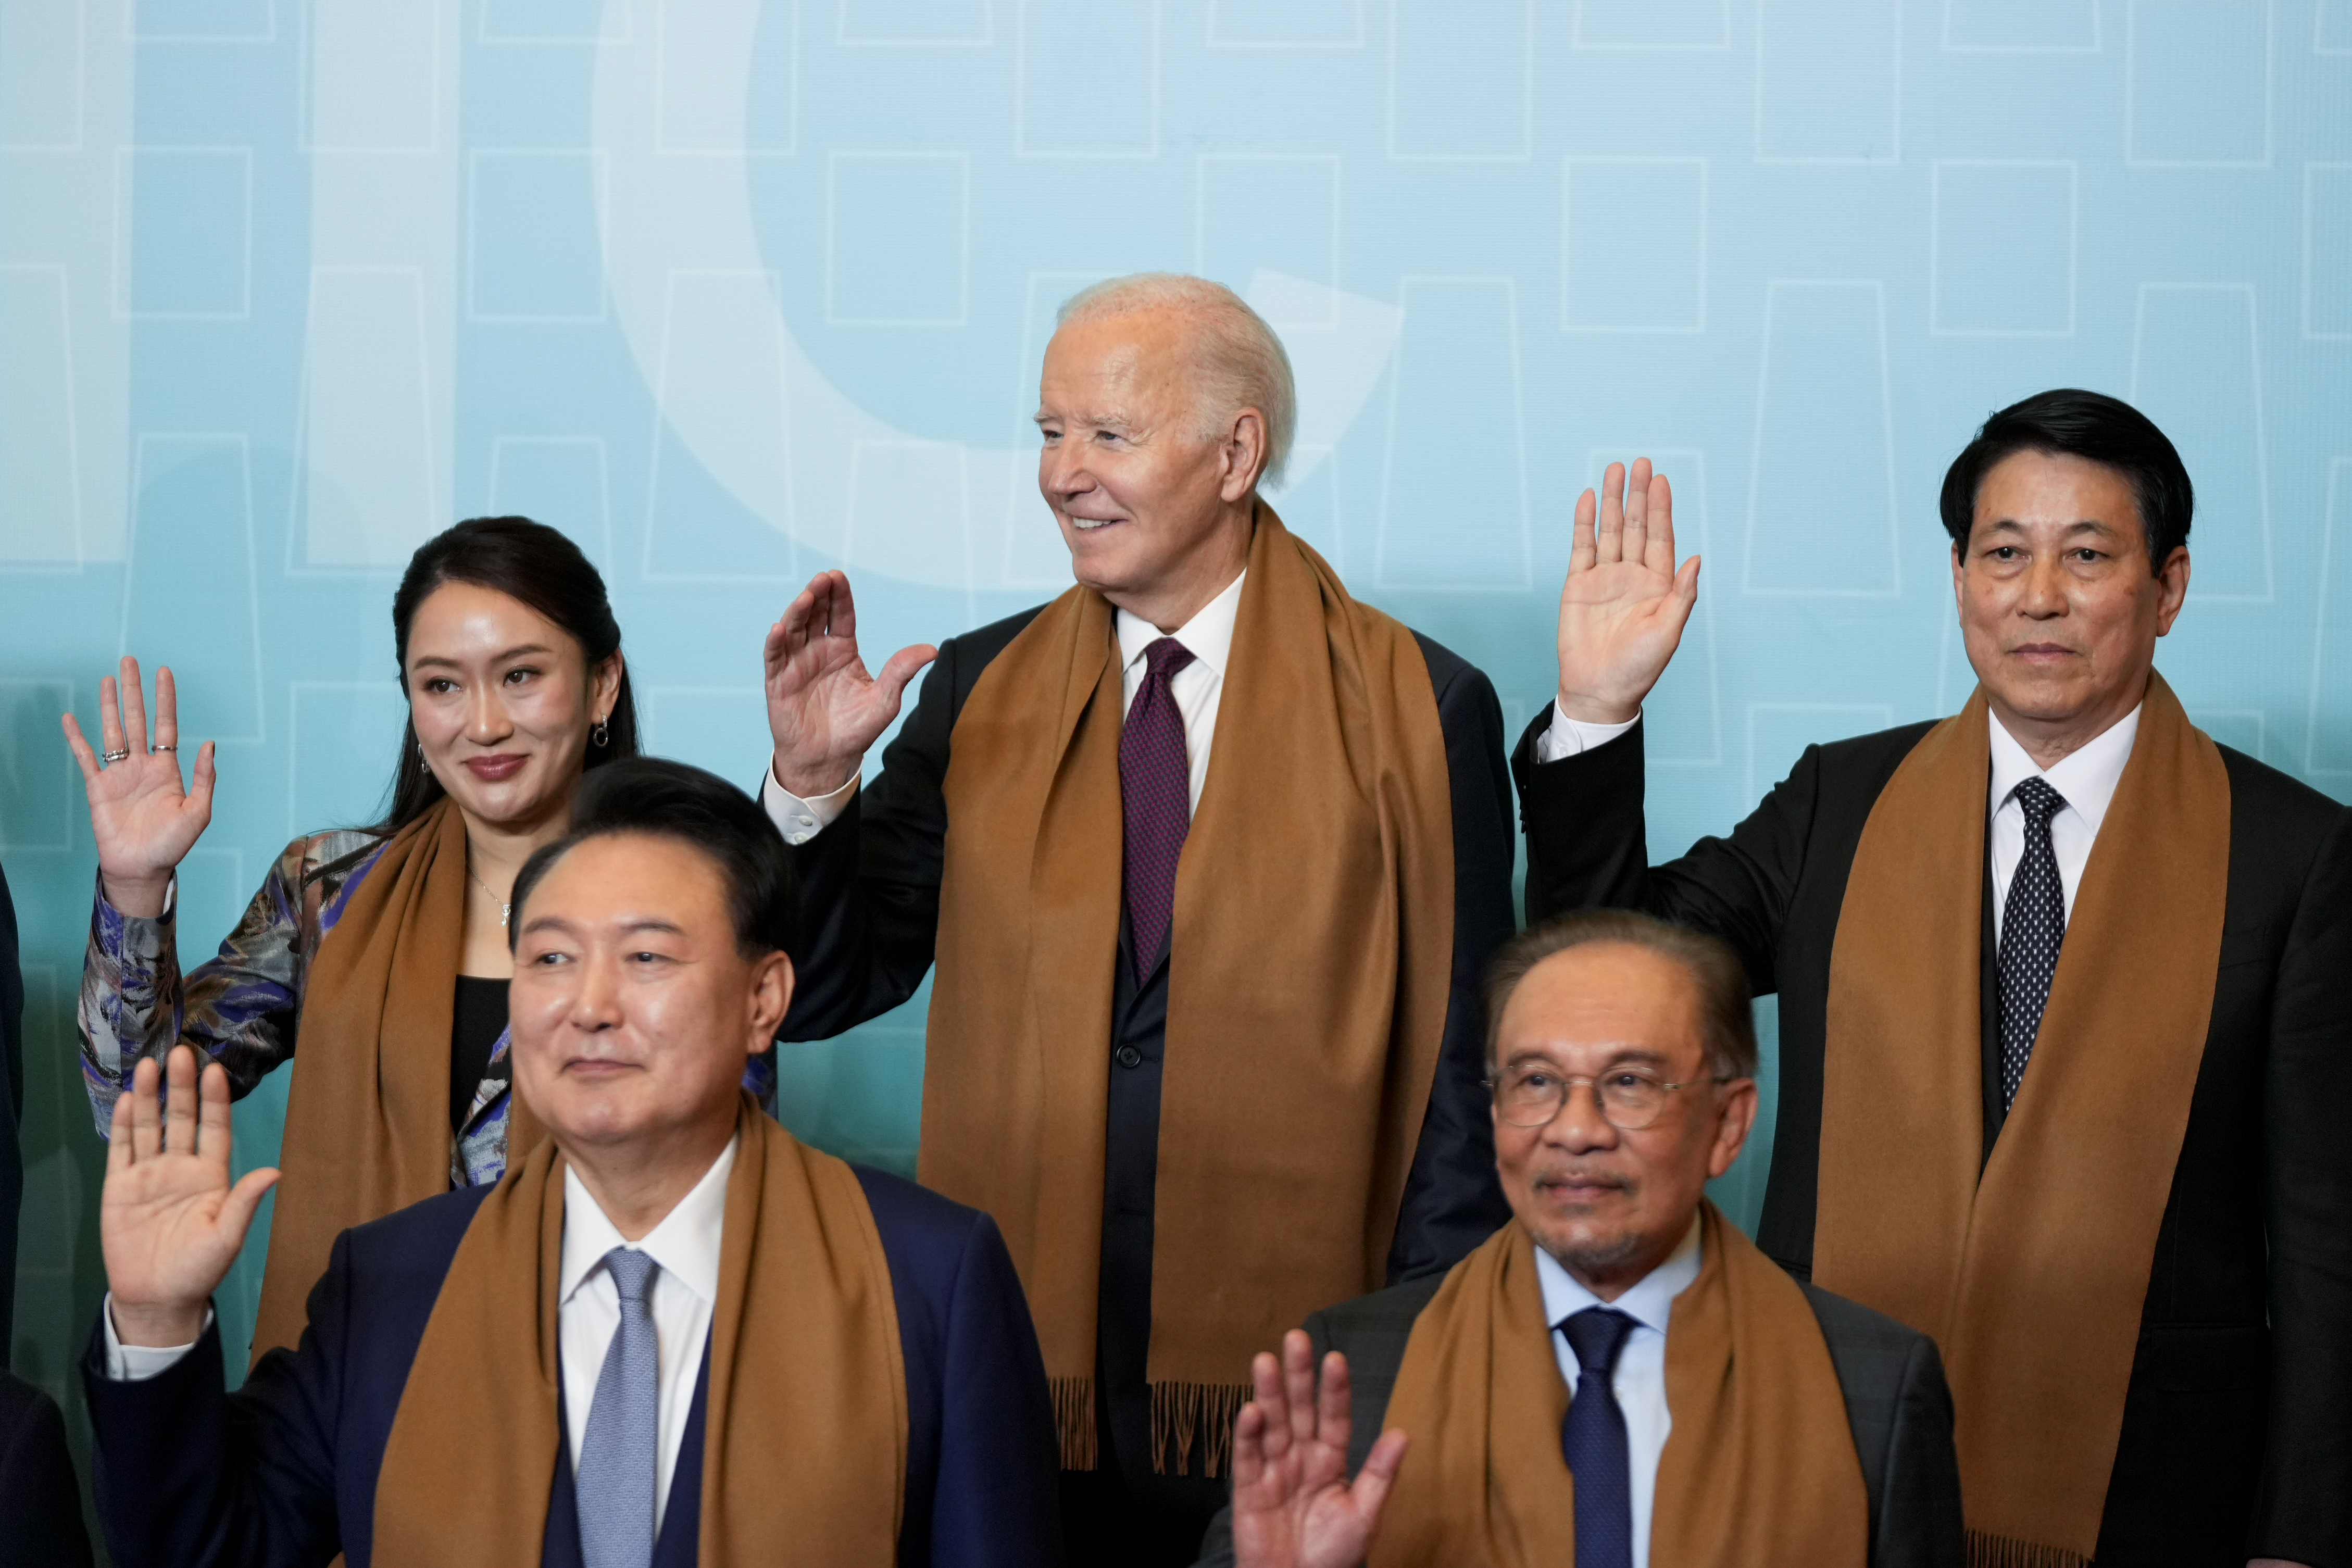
<point>2032,927</point>
<point>1593,1440</point>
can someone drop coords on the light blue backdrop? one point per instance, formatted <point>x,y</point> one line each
<point>731,291</point>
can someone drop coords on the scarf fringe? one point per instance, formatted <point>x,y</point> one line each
<point>1181,1412</point>
<point>1073,1420</point>
<point>2008,1552</point>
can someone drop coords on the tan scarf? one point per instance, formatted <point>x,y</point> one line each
<point>2031,1277</point>
<point>1310,961</point>
<point>1759,1468</point>
<point>367,1116</point>
<point>805,1324</point>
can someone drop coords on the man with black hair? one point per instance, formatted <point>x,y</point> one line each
<point>671,1336</point>
<point>2065,1008</point>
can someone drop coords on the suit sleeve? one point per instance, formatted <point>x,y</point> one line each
<point>1588,844</point>
<point>40,1501</point>
<point>189,1475</point>
<point>869,884</point>
<point>2305,1508</point>
<point>1452,1201</point>
<point>1918,1515</point>
<point>997,1502</point>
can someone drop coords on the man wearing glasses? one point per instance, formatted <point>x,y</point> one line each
<point>1618,1376</point>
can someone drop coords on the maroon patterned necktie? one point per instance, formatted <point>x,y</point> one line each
<point>1155,786</point>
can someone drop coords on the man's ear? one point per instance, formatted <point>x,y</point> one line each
<point>1245,456</point>
<point>1738,1119</point>
<point>772,996</point>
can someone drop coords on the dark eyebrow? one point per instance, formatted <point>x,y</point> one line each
<point>422,660</point>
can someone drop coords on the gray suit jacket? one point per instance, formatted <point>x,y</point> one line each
<point>1896,1402</point>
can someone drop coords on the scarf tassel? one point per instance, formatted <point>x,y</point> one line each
<point>2008,1552</point>
<point>1181,1412</point>
<point>1073,1420</point>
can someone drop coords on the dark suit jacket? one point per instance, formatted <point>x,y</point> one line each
<point>1896,1402</point>
<point>871,909</point>
<point>40,1500</point>
<point>282,1473</point>
<point>12,1108</point>
<point>2237,1437</point>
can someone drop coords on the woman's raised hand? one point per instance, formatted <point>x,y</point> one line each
<point>144,819</point>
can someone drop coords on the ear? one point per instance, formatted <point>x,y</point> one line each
<point>2172,589</point>
<point>1245,456</point>
<point>771,995</point>
<point>606,682</point>
<point>1959,579</point>
<point>1734,1121</point>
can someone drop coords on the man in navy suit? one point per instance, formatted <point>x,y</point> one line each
<point>650,960</point>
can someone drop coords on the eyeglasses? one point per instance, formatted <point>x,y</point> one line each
<point>1630,1098</point>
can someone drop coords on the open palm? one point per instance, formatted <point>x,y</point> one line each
<point>144,819</point>
<point>1626,603</point>
<point>1293,1504</point>
<point>824,709</point>
<point>170,1221</point>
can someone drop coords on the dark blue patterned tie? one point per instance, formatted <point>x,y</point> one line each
<point>1593,1440</point>
<point>1155,783</point>
<point>2032,924</point>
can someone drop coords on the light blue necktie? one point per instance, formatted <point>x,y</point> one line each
<point>618,1456</point>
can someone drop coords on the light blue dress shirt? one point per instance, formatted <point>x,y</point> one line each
<point>1640,1378</point>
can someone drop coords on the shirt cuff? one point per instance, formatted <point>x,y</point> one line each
<point>138,1363</point>
<point>1566,737</point>
<point>799,821</point>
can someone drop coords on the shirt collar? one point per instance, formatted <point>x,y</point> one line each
<point>1209,635</point>
<point>1651,1300</point>
<point>684,1244</point>
<point>2086,778</point>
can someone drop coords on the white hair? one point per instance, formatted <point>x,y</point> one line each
<point>1239,363</point>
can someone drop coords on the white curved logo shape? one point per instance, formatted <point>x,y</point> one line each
<point>699,309</point>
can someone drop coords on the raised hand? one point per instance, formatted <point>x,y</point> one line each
<point>1624,604</point>
<point>824,709</point>
<point>143,820</point>
<point>1293,1505</point>
<point>169,1222</point>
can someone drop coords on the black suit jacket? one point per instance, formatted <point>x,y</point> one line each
<point>40,1500</point>
<point>2237,1436</point>
<point>1896,1402</point>
<point>870,910</point>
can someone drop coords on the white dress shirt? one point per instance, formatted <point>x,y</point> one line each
<point>2086,778</point>
<point>685,1246</point>
<point>1197,688</point>
<point>1640,1381</point>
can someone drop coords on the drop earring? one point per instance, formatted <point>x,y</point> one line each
<point>600,737</point>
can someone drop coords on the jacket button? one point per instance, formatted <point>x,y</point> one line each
<point>1128,1056</point>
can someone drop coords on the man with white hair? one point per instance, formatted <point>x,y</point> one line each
<point>1205,1033</point>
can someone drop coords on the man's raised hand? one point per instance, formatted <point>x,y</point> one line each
<point>824,709</point>
<point>143,821</point>
<point>1624,604</point>
<point>170,1223</point>
<point>1293,1505</point>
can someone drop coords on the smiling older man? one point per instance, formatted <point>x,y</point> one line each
<point>673,1336</point>
<point>2065,1008</point>
<point>1209,856</point>
<point>1618,1377</point>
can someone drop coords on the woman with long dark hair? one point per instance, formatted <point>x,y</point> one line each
<point>381,950</point>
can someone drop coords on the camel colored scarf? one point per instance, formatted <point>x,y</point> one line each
<point>367,1117</point>
<point>2030,1276</point>
<point>1759,1470</point>
<point>1309,970</point>
<point>805,1323</point>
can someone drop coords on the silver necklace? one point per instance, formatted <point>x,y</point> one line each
<point>505,908</point>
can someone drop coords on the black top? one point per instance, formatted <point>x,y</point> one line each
<point>481,1017</point>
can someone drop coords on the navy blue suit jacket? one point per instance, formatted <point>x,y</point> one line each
<point>282,1473</point>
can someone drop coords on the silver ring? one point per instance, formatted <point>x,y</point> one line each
<point>163,748</point>
<point>116,756</point>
